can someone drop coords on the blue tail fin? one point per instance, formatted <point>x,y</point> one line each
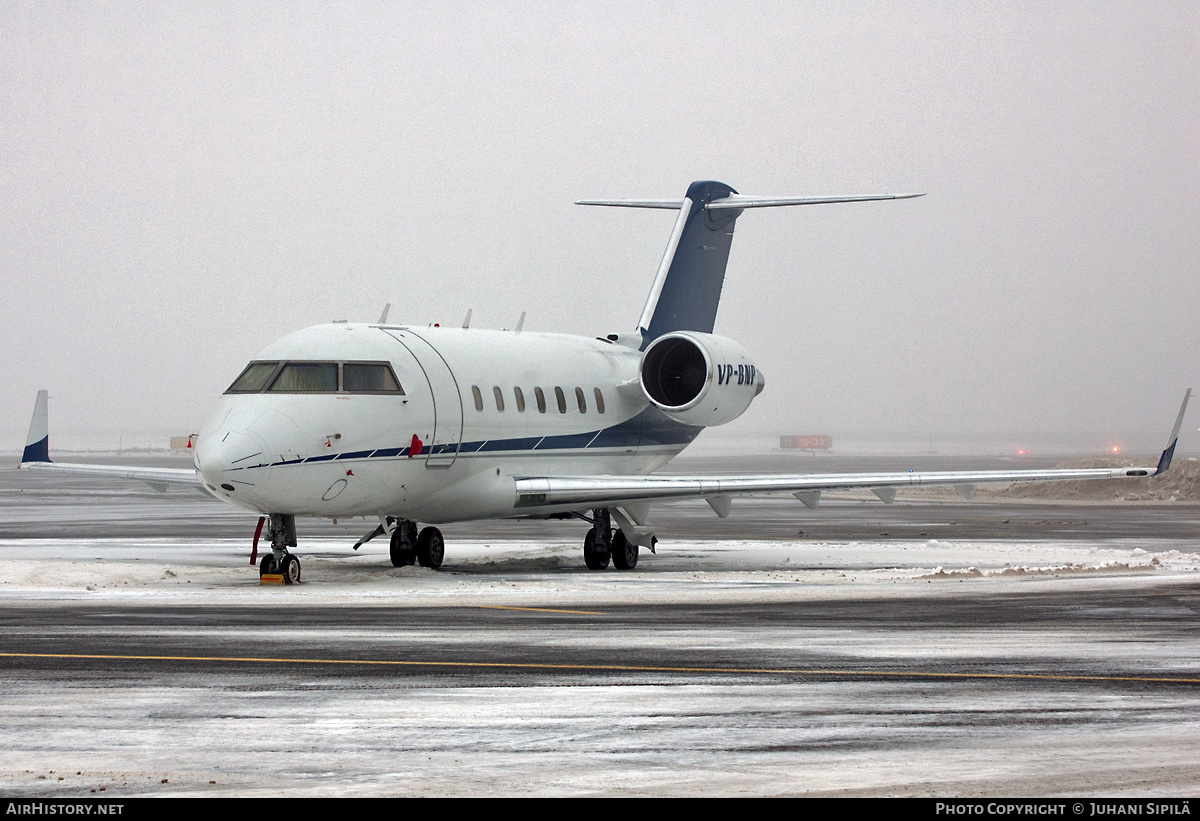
<point>691,286</point>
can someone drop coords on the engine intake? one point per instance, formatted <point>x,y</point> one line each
<point>699,379</point>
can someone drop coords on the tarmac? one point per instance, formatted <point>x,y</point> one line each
<point>931,647</point>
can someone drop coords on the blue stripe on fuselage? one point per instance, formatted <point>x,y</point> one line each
<point>650,428</point>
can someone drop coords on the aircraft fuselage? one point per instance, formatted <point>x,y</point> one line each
<point>479,407</point>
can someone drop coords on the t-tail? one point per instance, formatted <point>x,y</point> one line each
<point>687,287</point>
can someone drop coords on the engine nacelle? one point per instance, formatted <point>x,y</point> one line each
<point>699,379</point>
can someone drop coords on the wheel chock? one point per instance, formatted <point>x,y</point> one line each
<point>271,578</point>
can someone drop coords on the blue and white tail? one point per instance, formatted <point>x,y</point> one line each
<point>687,288</point>
<point>37,443</point>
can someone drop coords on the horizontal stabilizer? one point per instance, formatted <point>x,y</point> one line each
<point>743,201</point>
<point>740,201</point>
<point>673,205</point>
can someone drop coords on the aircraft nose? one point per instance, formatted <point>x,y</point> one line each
<point>227,455</point>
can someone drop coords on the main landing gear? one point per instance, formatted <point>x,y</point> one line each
<point>602,544</point>
<point>282,532</point>
<point>426,548</point>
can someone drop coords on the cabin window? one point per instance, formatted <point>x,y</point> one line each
<point>599,400</point>
<point>520,400</point>
<point>254,378</point>
<point>541,399</point>
<point>478,398</point>
<point>562,400</point>
<point>306,377</point>
<point>499,398</point>
<point>369,377</point>
<point>580,400</point>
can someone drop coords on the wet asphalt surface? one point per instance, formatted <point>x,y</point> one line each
<point>995,665</point>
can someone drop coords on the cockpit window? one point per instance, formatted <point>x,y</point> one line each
<point>306,377</point>
<point>254,378</point>
<point>317,377</point>
<point>369,378</point>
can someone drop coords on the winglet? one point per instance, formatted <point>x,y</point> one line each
<point>37,443</point>
<point>1164,461</point>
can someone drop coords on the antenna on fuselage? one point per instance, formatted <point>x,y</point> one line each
<point>520,323</point>
<point>467,321</point>
<point>383,316</point>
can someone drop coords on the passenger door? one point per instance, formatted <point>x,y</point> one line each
<point>442,450</point>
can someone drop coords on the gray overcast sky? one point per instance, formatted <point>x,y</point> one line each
<point>181,183</point>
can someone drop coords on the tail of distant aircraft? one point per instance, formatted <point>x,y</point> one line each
<point>688,285</point>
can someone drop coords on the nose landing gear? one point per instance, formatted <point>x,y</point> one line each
<point>282,532</point>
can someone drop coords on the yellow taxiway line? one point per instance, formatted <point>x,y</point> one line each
<point>613,668</point>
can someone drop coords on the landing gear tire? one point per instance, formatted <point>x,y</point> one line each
<point>290,568</point>
<point>593,558</point>
<point>267,565</point>
<point>402,545</point>
<point>624,552</point>
<point>431,548</point>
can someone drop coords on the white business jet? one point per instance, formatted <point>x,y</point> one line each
<point>409,424</point>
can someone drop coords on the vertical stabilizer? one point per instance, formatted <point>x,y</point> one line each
<point>693,272</point>
<point>37,443</point>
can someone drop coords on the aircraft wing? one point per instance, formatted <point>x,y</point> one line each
<point>633,492</point>
<point>153,476</point>
<point>37,458</point>
<point>602,491</point>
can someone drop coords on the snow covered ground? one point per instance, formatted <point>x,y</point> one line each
<point>218,571</point>
<point>879,612</point>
